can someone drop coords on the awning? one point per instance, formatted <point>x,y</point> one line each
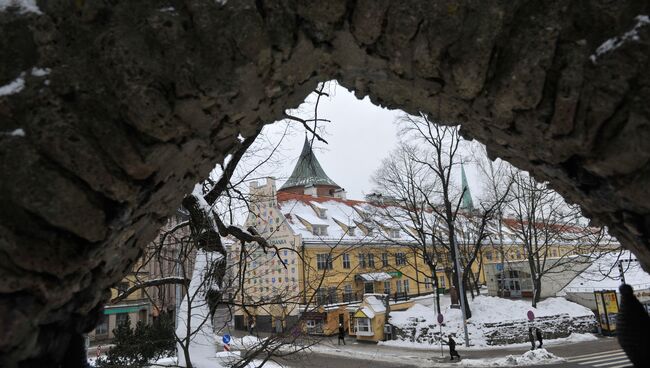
<point>125,309</point>
<point>374,276</point>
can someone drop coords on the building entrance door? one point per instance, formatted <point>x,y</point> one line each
<point>369,288</point>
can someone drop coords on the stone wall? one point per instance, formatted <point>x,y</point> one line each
<point>507,332</point>
<point>125,105</point>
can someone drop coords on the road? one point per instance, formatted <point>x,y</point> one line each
<point>602,353</point>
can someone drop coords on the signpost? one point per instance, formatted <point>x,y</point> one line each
<point>226,342</point>
<point>440,319</point>
<point>531,315</point>
<point>607,306</point>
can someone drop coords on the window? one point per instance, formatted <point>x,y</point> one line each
<point>384,259</point>
<point>442,282</point>
<point>387,287</point>
<point>121,319</point>
<point>322,212</point>
<point>518,254</point>
<point>102,327</point>
<point>362,260</point>
<point>347,293</point>
<point>350,231</point>
<point>321,296</point>
<point>310,323</point>
<point>319,230</point>
<point>362,326</point>
<point>406,287</point>
<point>324,261</point>
<point>346,260</point>
<point>399,286</point>
<point>427,283</point>
<point>331,295</point>
<point>554,252</point>
<point>371,260</point>
<point>400,259</point>
<point>393,233</point>
<point>488,255</point>
<point>369,287</point>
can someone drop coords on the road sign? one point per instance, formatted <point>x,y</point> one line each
<point>226,339</point>
<point>531,315</point>
<point>440,318</point>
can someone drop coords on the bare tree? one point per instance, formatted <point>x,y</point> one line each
<point>550,231</point>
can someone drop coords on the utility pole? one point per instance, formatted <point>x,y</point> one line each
<point>461,289</point>
<point>620,268</point>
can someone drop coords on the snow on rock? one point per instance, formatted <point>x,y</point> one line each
<point>14,86</point>
<point>202,344</point>
<point>15,133</point>
<point>616,42</point>
<point>534,357</point>
<point>23,6</point>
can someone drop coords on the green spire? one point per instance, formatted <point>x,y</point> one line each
<point>467,196</point>
<point>307,171</point>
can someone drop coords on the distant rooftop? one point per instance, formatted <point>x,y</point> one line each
<point>308,171</point>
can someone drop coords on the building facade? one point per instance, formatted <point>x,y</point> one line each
<point>326,252</point>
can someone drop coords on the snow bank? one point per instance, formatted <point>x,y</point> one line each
<point>534,357</point>
<point>494,321</point>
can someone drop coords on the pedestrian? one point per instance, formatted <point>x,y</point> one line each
<point>539,338</point>
<point>531,337</point>
<point>341,334</point>
<point>452,348</point>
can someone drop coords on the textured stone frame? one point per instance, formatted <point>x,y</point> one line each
<point>142,98</point>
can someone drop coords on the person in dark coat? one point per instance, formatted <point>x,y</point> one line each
<point>452,348</point>
<point>531,337</point>
<point>341,334</point>
<point>539,338</point>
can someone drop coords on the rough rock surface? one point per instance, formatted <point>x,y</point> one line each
<point>143,98</point>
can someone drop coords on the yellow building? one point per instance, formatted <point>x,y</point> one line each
<point>330,251</point>
<point>134,308</point>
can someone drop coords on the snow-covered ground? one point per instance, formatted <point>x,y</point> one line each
<point>603,274</point>
<point>485,310</point>
<point>535,357</point>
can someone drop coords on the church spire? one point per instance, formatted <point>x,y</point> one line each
<point>468,204</point>
<point>308,171</point>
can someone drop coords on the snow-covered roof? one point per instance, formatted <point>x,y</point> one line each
<point>603,274</point>
<point>375,303</point>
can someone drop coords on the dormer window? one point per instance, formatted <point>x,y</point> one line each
<point>322,213</point>
<point>320,230</point>
<point>393,233</point>
<point>350,231</point>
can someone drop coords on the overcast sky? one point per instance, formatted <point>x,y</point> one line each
<point>360,135</point>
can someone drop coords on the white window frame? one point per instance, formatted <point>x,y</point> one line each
<point>364,328</point>
<point>346,260</point>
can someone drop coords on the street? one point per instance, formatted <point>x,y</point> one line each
<point>602,353</point>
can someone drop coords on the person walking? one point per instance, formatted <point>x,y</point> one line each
<point>531,337</point>
<point>539,338</point>
<point>452,348</point>
<point>341,334</point>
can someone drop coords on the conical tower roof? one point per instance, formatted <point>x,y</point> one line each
<point>468,204</point>
<point>308,171</point>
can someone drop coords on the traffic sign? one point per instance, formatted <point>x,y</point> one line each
<point>440,318</point>
<point>226,339</point>
<point>531,315</point>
